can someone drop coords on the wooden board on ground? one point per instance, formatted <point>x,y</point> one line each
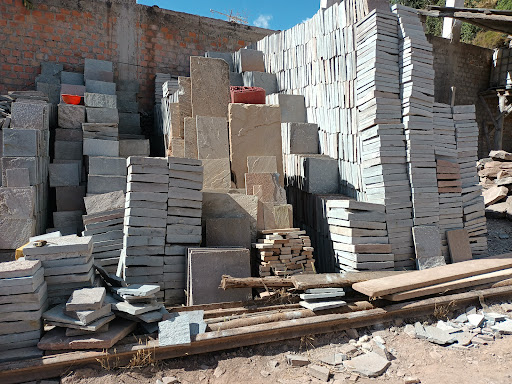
<point>458,243</point>
<point>334,280</point>
<point>432,276</point>
<point>467,282</point>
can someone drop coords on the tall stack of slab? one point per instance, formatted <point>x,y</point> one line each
<point>23,299</point>
<point>184,230</point>
<point>448,173</point>
<point>104,223</point>
<point>67,263</point>
<point>145,220</point>
<point>25,158</point>
<point>466,132</point>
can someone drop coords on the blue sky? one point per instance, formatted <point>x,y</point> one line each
<point>272,14</point>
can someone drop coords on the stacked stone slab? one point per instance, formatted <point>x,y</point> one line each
<point>23,299</point>
<point>67,172</point>
<point>466,132</point>
<point>359,235</point>
<point>67,262</point>
<point>85,313</point>
<point>448,174</point>
<point>176,108</point>
<point>49,81</point>
<point>285,252</point>
<point>25,158</point>
<point>184,230</point>
<point>104,223</point>
<point>145,219</point>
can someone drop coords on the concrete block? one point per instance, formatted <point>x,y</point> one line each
<point>95,147</point>
<point>71,78</point>
<point>102,115</point>
<point>95,86</point>
<point>71,116</point>
<point>17,177</point>
<point>99,100</point>
<point>62,175</point>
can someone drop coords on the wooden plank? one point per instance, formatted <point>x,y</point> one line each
<point>229,282</point>
<point>55,365</point>
<point>428,277</point>
<point>335,280</point>
<point>467,282</point>
<point>458,243</point>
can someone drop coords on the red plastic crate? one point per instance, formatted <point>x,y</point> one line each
<point>248,95</point>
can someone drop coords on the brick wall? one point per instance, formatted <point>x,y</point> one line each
<point>468,68</point>
<point>140,40</point>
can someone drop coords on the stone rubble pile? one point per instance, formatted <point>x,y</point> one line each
<point>496,179</point>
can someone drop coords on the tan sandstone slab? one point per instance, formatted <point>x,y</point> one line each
<point>212,137</point>
<point>190,138</point>
<point>270,191</point>
<point>262,164</point>
<point>209,86</point>
<point>216,174</point>
<point>494,194</point>
<point>254,130</point>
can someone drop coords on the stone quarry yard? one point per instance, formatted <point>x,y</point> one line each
<point>415,361</point>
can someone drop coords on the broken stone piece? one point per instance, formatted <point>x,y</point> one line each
<point>297,360</point>
<point>319,372</point>
<point>369,364</point>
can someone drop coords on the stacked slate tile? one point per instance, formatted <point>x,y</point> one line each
<point>184,230</point>
<point>104,223</point>
<point>23,299</point>
<point>49,81</point>
<point>84,313</point>
<point>285,252</point>
<point>466,132</point>
<point>318,299</point>
<point>448,174</point>
<point>145,220</point>
<point>359,236</point>
<point>24,168</point>
<point>67,263</point>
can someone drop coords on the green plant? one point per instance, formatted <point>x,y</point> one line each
<point>28,4</point>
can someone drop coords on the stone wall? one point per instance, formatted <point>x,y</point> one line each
<point>138,39</point>
<point>468,68</point>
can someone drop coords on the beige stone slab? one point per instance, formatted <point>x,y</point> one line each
<point>209,86</point>
<point>283,216</point>
<point>177,147</point>
<point>176,121</point>
<point>270,191</point>
<point>254,130</point>
<point>262,164</point>
<point>190,138</point>
<point>217,174</point>
<point>458,243</point>
<point>212,137</point>
<point>494,194</point>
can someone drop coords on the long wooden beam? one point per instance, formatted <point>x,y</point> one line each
<point>55,365</point>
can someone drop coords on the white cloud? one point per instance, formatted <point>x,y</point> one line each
<point>263,21</point>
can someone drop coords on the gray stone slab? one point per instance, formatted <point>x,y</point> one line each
<point>71,116</point>
<point>17,202</point>
<point>69,150</point>
<point>64,244</point>
<point>147,187</point>
<point>301,138</point>
<point>226,56</point>
<point>31,163</point>
<point>50,90</point>
<point>95,147</point>
<point>105,202</point>
<point>68,221</point>
<point>19,268</point>
<point>19,285</point>
<point>129,148</point>
<point>57,316</point>
<point>70,89</point>
<point>224,232</point>
<point>322,175</point>
<point>369,364</point>
<point>322,305</point>
<point>104,87</point>
<point>100,100</point>
<point>107,76</point>
<point>174,332</point>
<point>68,134</point>
<point>30,115</point>
<point>62,175</point>
<point>15,231</point>
<point>293,108</point>
<point>427,243</point>
<point>102,165</point>
<point>98,65</point>
<point>140,291</point>
<point>105,184</point>
<point>129,123</point>
<point>21,142</point>
<point>20,353</point>
<point>206,267</point>
<point>87,299</point>
<point>102,115</point>
<point>212,137</point>
<point>72,78</point>
<point>267,81</point>
<point>236,79</point>
<point>248,60</point>
<point>194,318</point>
<point>17,177</point>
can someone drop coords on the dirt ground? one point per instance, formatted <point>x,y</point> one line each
<point>430,363</point>
<point>499,239</point>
